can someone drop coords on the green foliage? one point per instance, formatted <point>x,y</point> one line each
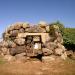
<point>69,37</point>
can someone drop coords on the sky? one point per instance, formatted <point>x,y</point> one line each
<point>33,11</point>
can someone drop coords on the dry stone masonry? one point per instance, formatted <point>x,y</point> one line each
<point>22,40</point>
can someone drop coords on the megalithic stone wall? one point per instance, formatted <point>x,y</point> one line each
<point>14,44</point>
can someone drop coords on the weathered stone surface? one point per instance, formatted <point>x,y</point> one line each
<point>47,51</point>
<point>26,25</point>
<point>6,36</point>
<point>51,45</point>
<point>19,41</point>
<point>21,57</point>
<point>3,44</point>
<point>33,40</point>
<point>27,30</point>
<point>11,44</point>
<point>69,53</point>
<point>59,38</point>
<point>21,30</point>
<point>4,50</point>
<point>10,28</point>
<point>17,50</point>
<point>64,56</point>
<point>9,58</point>
<point>59,51</point>
<point>61,46</point>
<point>44,36</point>
<point>18,56</point>
<point>47,28</point>
<point>12,51</point>
<point>48,58</point>
<point>17,25</point>
<point>14,33</point>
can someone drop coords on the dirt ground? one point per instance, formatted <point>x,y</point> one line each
<point>36,67</point>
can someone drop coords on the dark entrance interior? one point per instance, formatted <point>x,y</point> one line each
<point>31,40</point>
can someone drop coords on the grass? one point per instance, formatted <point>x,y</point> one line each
<point>2,61</point>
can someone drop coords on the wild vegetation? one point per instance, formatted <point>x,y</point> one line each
<point>68,35</point>
<point>69,38</point>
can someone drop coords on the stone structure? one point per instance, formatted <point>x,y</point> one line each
<point>25,40</point>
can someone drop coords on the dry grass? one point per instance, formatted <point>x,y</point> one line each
<point>57,67</point>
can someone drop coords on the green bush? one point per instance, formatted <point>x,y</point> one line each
<point>69,38</point>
